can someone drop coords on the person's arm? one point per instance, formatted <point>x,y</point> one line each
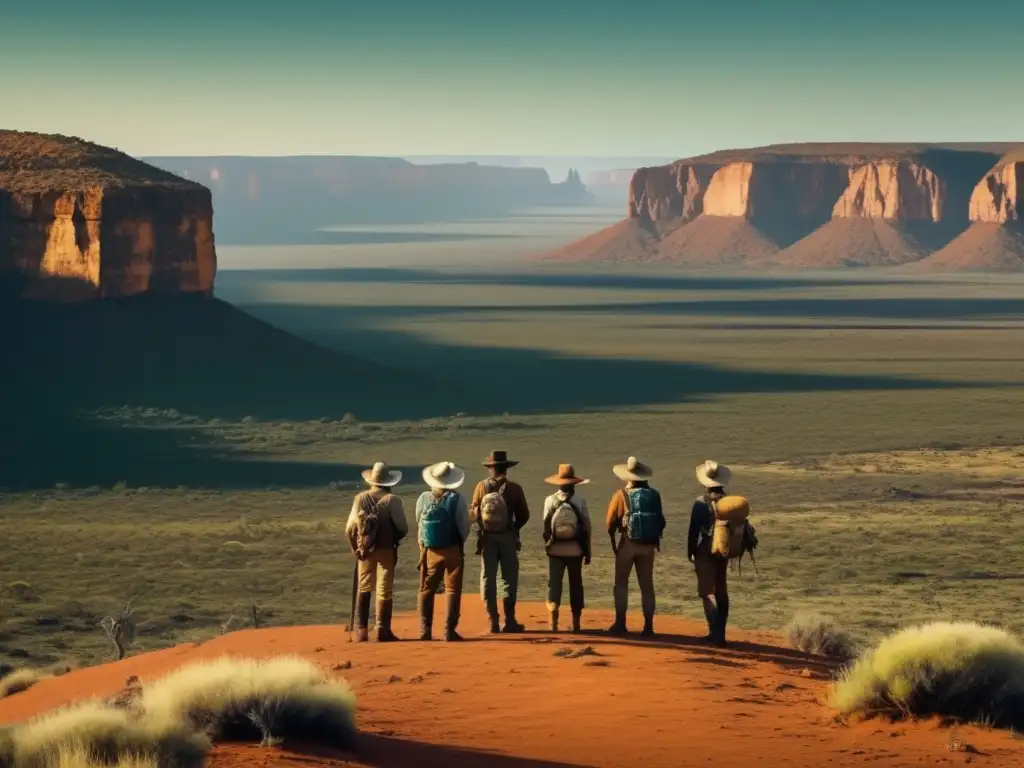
<point>478,495</point>
<point>462,519</point>
<point>397,508</point>
<point>549,508</point>
<point>585,517</point>
<point>662,521</point>
<point>521,512</point>
<point>614,517</point>
<point>419,514</point>
<point>352,525</point>
<point>698,517</point>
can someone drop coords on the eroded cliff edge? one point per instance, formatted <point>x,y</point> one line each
<point>78,220</point>
<point>817,205</point>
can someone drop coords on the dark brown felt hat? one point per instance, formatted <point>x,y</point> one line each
<point>499,459</point>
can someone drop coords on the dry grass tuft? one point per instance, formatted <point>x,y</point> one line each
<point>19,681</point>
<point>967,672</point>
<point>248,700</point>
<point>103,735</point>
<point>179,716</point>
<point>820,635</point>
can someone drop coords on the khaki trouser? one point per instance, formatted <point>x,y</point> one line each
<point>438,564</point>
<point>499,553</point>
<point>631,555</point>
<point>712,575</point>
<point>384,560</point>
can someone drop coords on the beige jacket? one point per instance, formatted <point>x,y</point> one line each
<point>389,535</point>
<point>567,548</point>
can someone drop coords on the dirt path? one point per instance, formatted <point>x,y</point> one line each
<point>508,702</point>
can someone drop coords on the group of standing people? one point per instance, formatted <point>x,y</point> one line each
<point>496,514</point>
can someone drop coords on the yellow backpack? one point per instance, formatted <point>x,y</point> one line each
<point>729,531</point>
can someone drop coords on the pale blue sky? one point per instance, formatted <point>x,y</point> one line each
<point>533,78</point>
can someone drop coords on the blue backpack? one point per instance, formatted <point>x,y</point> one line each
<point>437,522</point>
<point>643,521</point>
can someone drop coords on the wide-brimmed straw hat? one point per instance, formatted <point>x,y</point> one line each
<point>383,475</point>
<point>499,459</point>
<point>711,474</point>
<point>566,475</point>
<point>632,470</point>
<point>444,476</point>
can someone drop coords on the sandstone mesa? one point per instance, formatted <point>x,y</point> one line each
<point>950,207</point>
<point>79,220</point>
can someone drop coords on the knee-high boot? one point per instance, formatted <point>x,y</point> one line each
<point>426,610</point>
<point>363,616</point>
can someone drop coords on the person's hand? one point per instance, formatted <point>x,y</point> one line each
<point>519,545</point>
<point>586,560</point>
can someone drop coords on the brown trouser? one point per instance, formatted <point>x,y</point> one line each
<point>437,564</point>
<point>641,556</point>
<point>384,560</point>
<point>712,576</point>
<point>557,566</point>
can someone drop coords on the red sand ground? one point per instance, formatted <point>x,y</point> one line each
<point>509,702</point>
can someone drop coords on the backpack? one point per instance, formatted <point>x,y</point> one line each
<point>565,522</point>
<point>437,523</point>
<point>732,534</point>
<point>494,516</point>
<point>643,520</point>
<point>368,522</point>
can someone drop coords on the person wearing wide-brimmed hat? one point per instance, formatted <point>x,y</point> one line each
<point>567,541</point>
<point>712,571</point>
<point>374,529</point>
<point>499,511</point>
<point>442,519</point>
<point>636,516</point>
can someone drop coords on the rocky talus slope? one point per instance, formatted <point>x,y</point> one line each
<point>951,206</point>
<point>79,220</point>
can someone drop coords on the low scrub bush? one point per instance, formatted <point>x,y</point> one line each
<point>180,715</point>
<point>820,635</point>
<point>966,672</point>
<point>244,700</point>
<point>102,735</point>
<point>19,680</point>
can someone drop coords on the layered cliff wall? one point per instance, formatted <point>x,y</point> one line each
<point>78,220</point>
<point>814,205</point>
<point>276,200</point>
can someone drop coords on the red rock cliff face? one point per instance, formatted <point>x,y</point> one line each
<point>999,197</point>
<point>82,221</point>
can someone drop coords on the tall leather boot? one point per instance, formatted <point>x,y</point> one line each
<point>712,616</point>
<point>511,625</point>
<point>648,630</point>
<point>554,619</point>
<point>452,620</point>
<point>426,609</point>
<point>363,616</point>
<point>384,613</point>
<point>576,623</point>
<point>619,627</point>
<point>723,619</point>
<point>492,617</point>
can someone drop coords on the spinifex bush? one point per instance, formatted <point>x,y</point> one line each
<point>820,635</point>
<point>244,700</point>
<point>967,672</point>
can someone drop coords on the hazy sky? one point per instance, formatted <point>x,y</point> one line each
<point>400,77</point>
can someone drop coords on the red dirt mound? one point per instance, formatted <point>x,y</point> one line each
<point>517,702</point>
<point>628,241</point>
<point>854,243</point>
<point>982,247</point>
<point>718,241</point>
